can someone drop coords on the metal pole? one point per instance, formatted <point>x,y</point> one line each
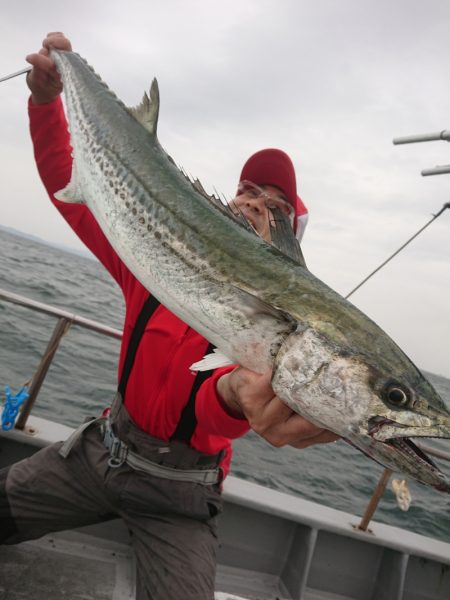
<point>424,137</point>
<point>47,309</point>
<point>443,170</point>
<point>38,379</point>
<point>372,506</point>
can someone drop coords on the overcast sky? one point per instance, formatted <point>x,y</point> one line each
<point>329,81</point>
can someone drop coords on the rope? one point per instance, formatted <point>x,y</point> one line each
<point>11,407</point>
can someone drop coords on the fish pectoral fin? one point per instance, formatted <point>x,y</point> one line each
<point>72,192</point>
<point>148,110</point>
<point>212,361</point>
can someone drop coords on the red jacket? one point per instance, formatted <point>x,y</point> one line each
<point>160,381</point>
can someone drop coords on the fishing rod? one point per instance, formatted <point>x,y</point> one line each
<point>16,74</point>
<point>446,205</point>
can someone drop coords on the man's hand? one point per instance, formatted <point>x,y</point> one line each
<point>43,80</point>
<point>249,395</point>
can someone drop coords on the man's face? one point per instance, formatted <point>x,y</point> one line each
<point>256,202</point>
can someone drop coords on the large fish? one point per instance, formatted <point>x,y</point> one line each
<point>260,307</point>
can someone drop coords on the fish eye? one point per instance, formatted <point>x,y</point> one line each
<point>396,394</point>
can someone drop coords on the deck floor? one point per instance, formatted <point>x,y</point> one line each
<point>77,566</point>
<point>56,568</point>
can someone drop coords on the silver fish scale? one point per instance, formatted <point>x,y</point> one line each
<point>239,292</point>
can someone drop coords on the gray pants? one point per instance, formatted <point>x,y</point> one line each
<point>172,523</point>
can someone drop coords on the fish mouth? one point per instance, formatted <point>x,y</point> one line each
<point>404,445</point>
<point>412,452</point>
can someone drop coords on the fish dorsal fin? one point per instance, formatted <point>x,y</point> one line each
<point>282,234</point>
<point>214,199</point>
<point>222,205</point>
<point>197,185</point>
<point>148,110</point>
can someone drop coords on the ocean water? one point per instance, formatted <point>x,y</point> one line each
<point>81,382</point>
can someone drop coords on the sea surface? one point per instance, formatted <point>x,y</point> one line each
<point>82,379</point>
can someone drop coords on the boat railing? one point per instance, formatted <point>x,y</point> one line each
<point>65,320</point>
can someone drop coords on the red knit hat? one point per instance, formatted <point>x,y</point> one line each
<point>274,167</point>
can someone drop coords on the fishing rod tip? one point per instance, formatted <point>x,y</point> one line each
<point>16,74</point>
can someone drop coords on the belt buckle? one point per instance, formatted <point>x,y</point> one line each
<point>117,449</point>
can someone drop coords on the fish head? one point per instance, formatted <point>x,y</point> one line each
<point>404,406</point>
<point>376,407</point>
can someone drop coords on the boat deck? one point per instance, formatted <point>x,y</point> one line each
<point>97,563</point>
<point>67,566</point>
<point>272,546</point>
<point>79,566</point>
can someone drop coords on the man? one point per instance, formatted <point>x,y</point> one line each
<point>160,456</point>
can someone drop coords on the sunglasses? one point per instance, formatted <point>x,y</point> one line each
<point>272,200</point>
